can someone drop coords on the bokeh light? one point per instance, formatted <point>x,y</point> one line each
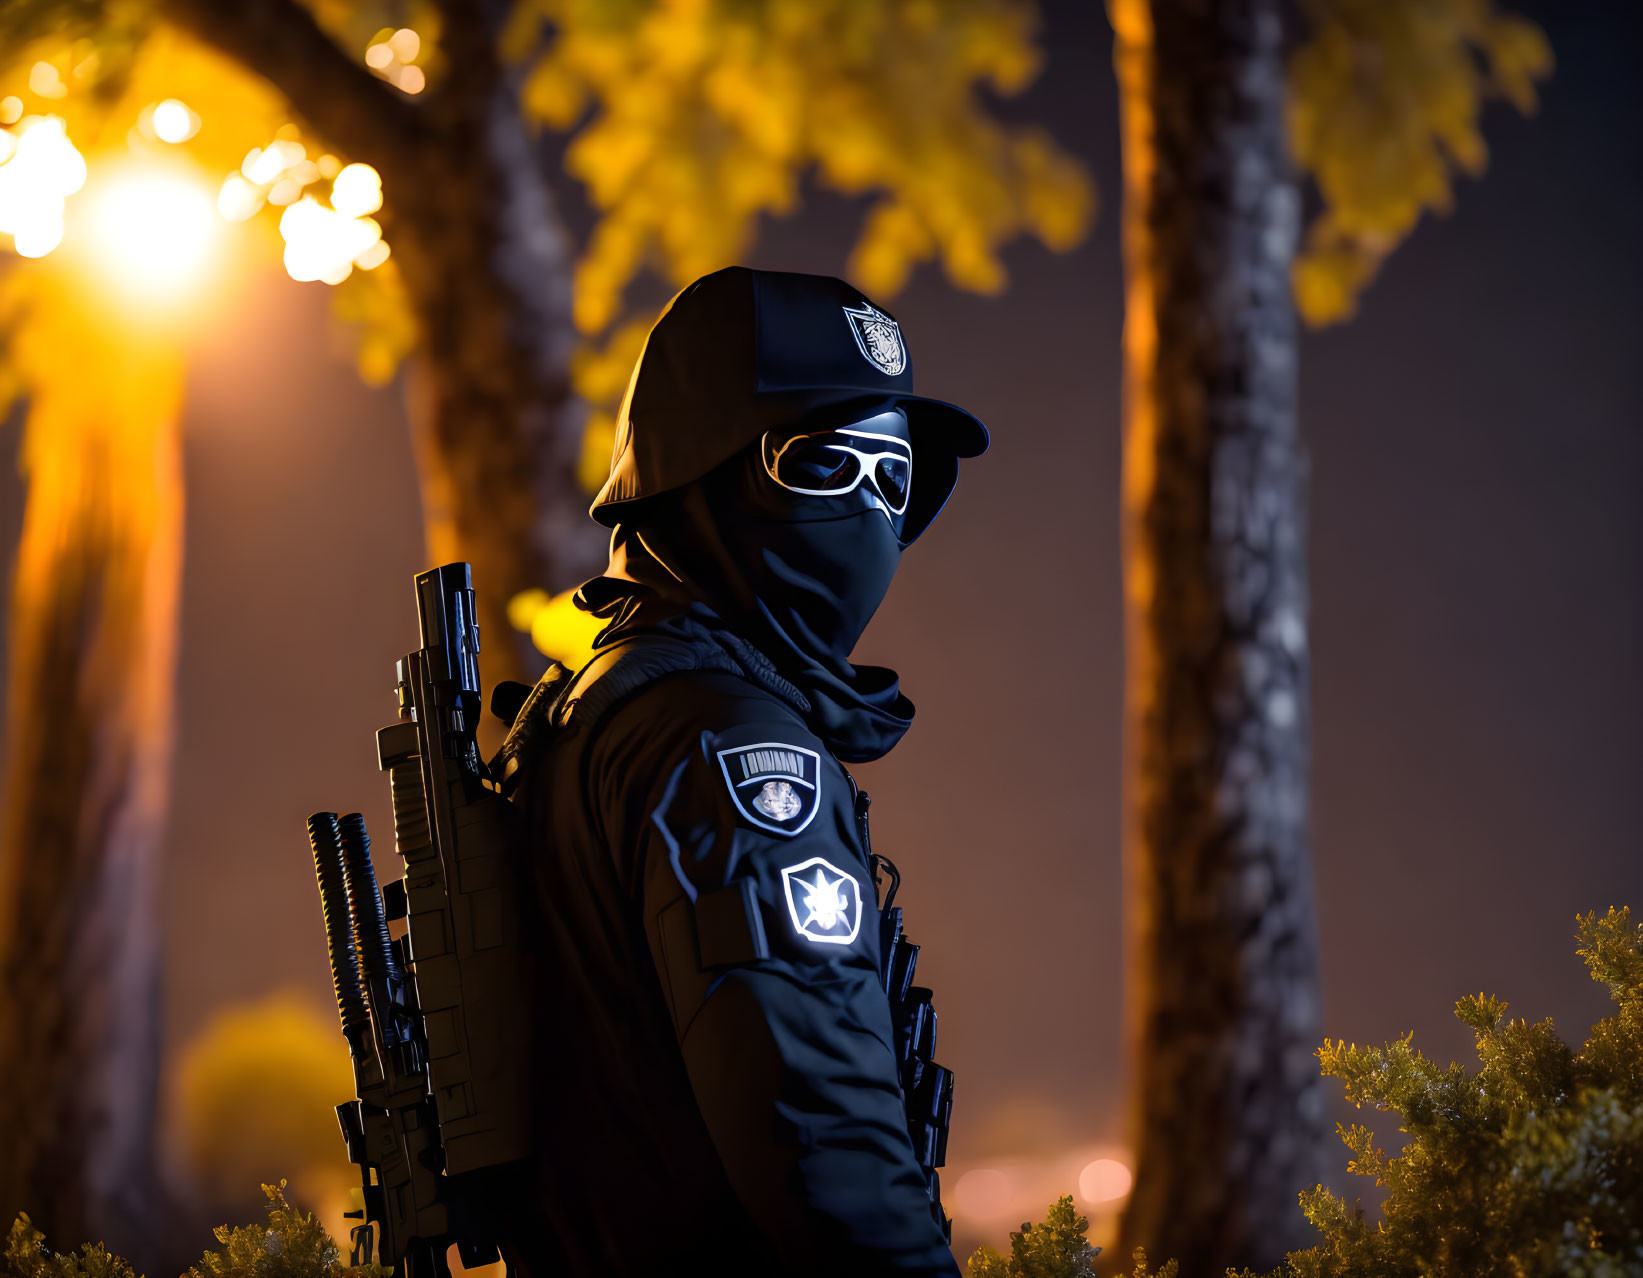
<point>356,191</point>
<point>984,1193</point>
<point>174,121</point>
<point>150,230</point>
<point>323,244</point>
<point>43,168</point>
<point>238,199</point>
<point>265,164</point>
<point>1104,1180</point>
<point>406,44</point>
<point>391,55</point>
<point>45,81</point>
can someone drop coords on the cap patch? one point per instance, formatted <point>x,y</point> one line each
<point>878,337</point>
<point>823,901</point>
<point>775,786</point>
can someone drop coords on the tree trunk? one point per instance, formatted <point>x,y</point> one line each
<point>1223,1002</point>
<point>93,634</point>
<point>496,429</point>
<point>473,224</point>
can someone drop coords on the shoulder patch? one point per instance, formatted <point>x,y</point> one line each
<point>775,786</point>
<point>823,901</point>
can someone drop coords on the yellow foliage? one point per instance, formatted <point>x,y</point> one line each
<point>253,1094</point>
<point>600,375</point>
<point>598,444</point>
<point>375,304</point>
<point>693,119</point>
<point>1327,278</point>
<point>556,625</point>
<point>709,114</point>
<point>1384,103</point>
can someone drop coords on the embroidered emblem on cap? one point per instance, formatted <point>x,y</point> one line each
<point>775,786</point>
<point>878,337</point>
<point>823,901</point>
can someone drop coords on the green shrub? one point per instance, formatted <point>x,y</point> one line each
<point>293,1244</point>
<point>290,1244</point>
<point>1056,1248</point>
<point>27,1256</point>
<point>1530,1167</point>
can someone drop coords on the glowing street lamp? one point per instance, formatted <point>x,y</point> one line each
<point>148,224</point>
<point>149,229</point>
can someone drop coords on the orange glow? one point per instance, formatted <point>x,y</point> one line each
<point>1104,1180</point>
<point>984,1194</point>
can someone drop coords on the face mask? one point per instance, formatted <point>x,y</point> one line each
<point>799,535</point>
<point>793,543</point>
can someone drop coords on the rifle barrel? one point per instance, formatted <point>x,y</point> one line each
<point>325,840</point>
<point>376,948</point>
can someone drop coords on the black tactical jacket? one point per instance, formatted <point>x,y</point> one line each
<point>718,1087</point>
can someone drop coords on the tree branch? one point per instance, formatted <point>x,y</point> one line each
<point>486,17</point>
<point>280,41</point>
<point>469,32</point>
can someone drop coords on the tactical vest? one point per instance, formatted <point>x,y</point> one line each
<point>563,701</point>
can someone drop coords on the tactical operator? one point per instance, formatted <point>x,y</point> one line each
<point>718,1091</point>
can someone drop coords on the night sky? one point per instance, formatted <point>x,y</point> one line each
<point>1476,439</point>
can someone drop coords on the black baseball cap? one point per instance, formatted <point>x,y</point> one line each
<point>741,352</point>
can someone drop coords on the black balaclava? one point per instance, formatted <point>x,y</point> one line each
<point>798,576</point>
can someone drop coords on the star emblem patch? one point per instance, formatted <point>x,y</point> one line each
<point>823,901</point>
<point>775,786</point>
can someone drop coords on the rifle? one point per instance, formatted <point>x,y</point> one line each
<point>435,1019</point>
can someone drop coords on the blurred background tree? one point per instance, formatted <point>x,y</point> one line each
<point>393,150</point>
<point>1379,104</point>
<point>254,1096</point>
